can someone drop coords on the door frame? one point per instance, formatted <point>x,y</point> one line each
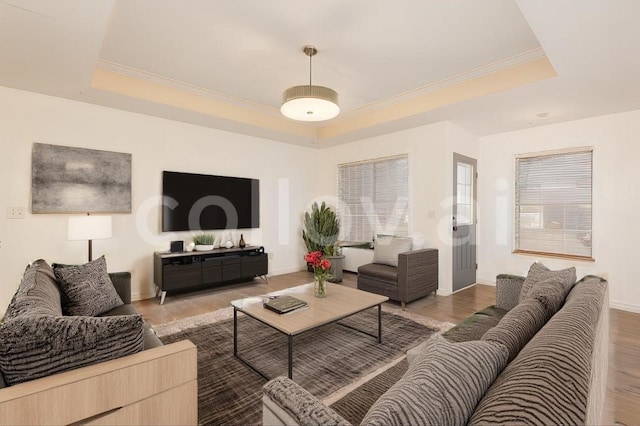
<point>454,214</point>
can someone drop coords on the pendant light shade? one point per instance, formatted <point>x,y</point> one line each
<point>309,102</point>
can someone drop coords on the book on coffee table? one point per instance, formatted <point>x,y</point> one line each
<point>284,304</point>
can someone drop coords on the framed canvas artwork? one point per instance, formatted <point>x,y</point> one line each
<point>78,180</point>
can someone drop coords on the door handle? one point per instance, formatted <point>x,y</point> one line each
<point>455,224</point>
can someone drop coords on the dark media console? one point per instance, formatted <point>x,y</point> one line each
<point>179,271</point>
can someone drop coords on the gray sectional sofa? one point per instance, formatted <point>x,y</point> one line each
<point>539,356</point>
<point>73,350</point>
<point>37,339</point>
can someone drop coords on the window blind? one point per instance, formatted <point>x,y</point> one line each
<point>374,198</point>
<point>553,204</point>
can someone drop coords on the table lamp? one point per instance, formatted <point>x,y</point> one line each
<point>89,228</point>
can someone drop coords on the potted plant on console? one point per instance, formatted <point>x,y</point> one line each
<point>320,233</point>
<point>204,242</point>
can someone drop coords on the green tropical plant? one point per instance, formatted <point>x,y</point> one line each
<point>203,239</point>
<point>321,229</point>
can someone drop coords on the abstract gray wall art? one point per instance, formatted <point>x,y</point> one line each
<point>78,180</point>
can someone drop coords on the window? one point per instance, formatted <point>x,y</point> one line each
<point>553,204</point>
<point>464,190</point>
<point>374,198</point>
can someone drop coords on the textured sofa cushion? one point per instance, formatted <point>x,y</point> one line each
<point>386,249</point>
<point>549,381</point>
<point>87,289</point>
<point>551,292</point>
<point>442,386</point>
<point>382,272</point>
<point>36,346</point>
<point>538,273</point>
<point>149,336</point>
<point>508,289</point>
<point>518,326</point>
<point>475,326</point>
<point>38,292</point>
<point>300,407</point>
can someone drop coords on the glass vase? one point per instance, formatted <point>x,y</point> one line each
<point>320,286</point>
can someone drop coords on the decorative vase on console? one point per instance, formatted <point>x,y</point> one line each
<point>320,272</point>
<point>241,243</point>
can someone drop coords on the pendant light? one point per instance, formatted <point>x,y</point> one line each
<point>309,102</point>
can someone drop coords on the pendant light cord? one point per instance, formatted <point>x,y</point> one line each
<point>310,57</point>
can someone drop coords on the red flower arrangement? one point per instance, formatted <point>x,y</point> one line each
<point>320,266</point>
<point>320,271</point>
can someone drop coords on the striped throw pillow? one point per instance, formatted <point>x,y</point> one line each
<point>442,386</point>
<point>538,273</point>
<point>518,326</point>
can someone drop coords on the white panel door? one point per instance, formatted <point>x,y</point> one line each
<point>464,221</point>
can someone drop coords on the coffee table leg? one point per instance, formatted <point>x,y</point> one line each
<point>379,323</point>
<point>290,356</point>
<point>235,331</point>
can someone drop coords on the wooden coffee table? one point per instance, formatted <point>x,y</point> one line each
<point>340,302</point>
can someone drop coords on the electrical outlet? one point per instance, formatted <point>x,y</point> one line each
<point>15,213</point>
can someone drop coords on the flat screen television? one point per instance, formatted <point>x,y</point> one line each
<point>206,202</point>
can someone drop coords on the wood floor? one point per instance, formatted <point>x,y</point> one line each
<point>623,388</point>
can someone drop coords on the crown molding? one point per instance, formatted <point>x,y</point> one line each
<point>494,82</point>
<point>509,73</point>
<point>506,63</point>
<point>137,74</point>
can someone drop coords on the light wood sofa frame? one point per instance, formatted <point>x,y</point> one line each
<point>156,386</point>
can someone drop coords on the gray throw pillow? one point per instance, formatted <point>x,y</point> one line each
<point>519,326</point>
<point>87,289</point>
<point>551,292</point>
<point>538,273</point>
<point>38,346</point>
<point>38,292</point>
<point>386,249</point>
<point>442,386</point>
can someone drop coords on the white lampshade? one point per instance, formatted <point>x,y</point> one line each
<point>89,227</point>
<point>310,103</point>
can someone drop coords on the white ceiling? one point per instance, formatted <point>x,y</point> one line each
<point>225,63</point>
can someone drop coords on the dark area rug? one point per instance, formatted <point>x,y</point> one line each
<point>324,360</point>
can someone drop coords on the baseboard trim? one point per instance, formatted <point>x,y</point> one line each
<point>625,307</point>
<point>486,282</point>
<point>285,271</point>
<point>135,297</point>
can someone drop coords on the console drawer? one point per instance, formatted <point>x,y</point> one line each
<point>256,265</point>
<point>181,276</point>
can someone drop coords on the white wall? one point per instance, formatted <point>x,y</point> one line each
<point>616,200</point>
<point>158,144</point>
<point>430,149</point>
<point>155,144</point>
